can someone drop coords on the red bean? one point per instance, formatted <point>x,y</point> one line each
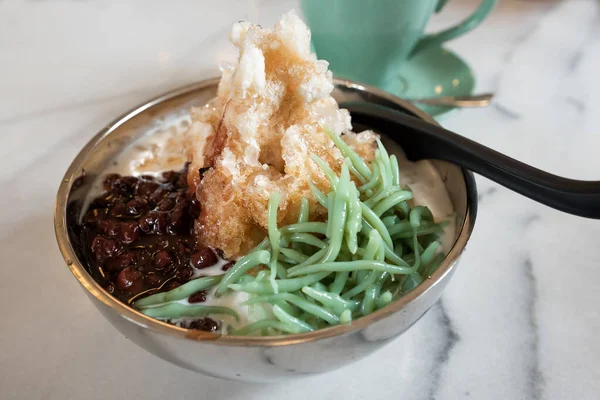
<point>203,258</point>
<point>185,272</point>
<point>197,297</point>
<point>180,198</point>
<point>121,261</point>
<point>118,210</point>
<point>165,204</point>
<point>124,185</point>
<point>110,287</point>
<point>227,266</point>
<point>110,227</point>
<point>160,226</point>
<point>195,208</point>
<point>220,253</point>
<point>152,279</point>
<point>182,181</point>
<point>93,217</point>
<point>104,248</point>
<point>170,176</point>
<point>161,259</point>
<point>182,247</point>
<point>158,195</point>
<point>146,223</point>
<point>130,231</point>
<point>172,285</point>
<point>177,219</point>
<point>109,180</point>
<point>130,280</point>
<point>100,203</point>
<point>205,324</point>
<point>137,206</point>
<point>145,189</point>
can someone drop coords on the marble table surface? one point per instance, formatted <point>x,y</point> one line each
<point>520,318</point>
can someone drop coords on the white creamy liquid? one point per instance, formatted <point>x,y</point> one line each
<point>161,149</point>
<point>428,190</point>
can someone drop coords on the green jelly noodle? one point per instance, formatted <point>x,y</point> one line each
<point>372,249</point>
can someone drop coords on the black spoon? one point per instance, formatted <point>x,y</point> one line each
<point>422,140</point>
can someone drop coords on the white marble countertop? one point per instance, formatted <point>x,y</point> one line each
<point>520,318</point>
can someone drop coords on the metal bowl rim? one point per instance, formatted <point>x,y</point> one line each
<point>85,279</point>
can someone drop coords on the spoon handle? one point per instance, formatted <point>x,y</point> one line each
<point>421,140</point>
<point>479,100</point>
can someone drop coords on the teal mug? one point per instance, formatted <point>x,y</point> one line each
<point>362,39</point>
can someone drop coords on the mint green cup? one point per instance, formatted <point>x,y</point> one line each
<point>366,40</point>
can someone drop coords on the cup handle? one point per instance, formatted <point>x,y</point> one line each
<point>436,39</point>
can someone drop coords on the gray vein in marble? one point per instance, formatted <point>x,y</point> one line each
<point>520,40</point>
<point>505,112</point>
<point>579,53</point>
<point>535,378</point>
<point>451,338</point>
<point>577,104</point>
<point>484,194</point>
<point>575,59</point>
<point>530,219</point>
<point>32,164</point>
<point>94,101</point>
<point>63,107</point>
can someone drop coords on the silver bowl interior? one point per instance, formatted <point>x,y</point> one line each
<point>376,328</point>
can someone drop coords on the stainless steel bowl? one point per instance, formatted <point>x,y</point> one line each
<point>249,358</point>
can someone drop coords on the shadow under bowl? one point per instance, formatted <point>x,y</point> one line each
<point>258,358</point>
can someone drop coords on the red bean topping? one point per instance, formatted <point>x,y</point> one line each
<point>140,235</point>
